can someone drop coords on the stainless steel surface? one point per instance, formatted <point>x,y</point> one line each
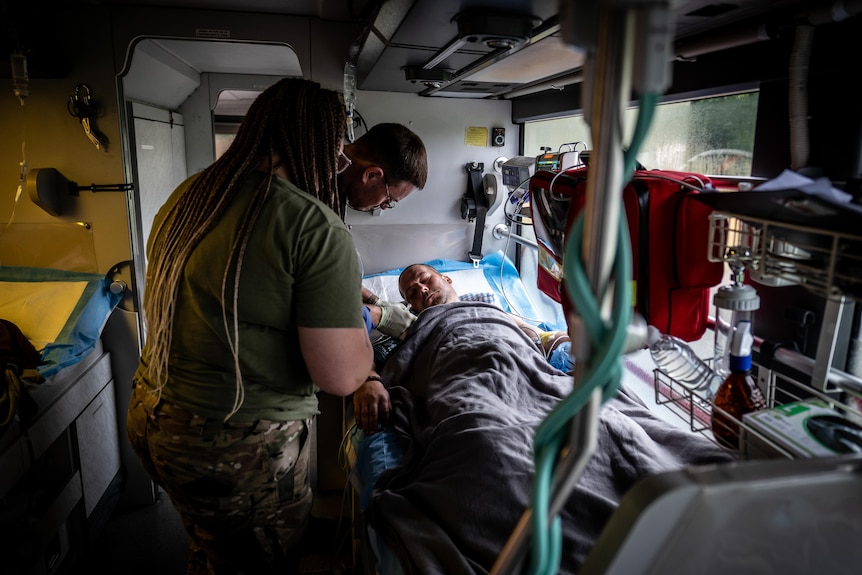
<point>502,231</point>
<point>834,379</point>
<point>609,91</point>
<point>823,261</point>
<point>835,309</point>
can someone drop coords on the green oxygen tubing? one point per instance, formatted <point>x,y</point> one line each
<point>607,340</point>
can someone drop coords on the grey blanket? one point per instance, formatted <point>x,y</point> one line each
<point>468,390</point>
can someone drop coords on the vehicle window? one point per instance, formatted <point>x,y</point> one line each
<point>224,133</point>
<point>712,136</point>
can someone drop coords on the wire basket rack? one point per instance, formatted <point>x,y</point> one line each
<point>779,388</point>
<point>825,262</point>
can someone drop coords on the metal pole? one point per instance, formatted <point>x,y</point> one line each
<point>610,93</point>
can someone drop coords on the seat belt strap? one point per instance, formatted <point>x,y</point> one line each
<point>476,194</point>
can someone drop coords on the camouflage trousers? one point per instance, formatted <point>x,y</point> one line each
<point>242,489</point>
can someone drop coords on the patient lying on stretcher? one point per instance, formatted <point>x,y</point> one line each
<point>422,286</point>
<point>463,395</point>
<point>394,318</point>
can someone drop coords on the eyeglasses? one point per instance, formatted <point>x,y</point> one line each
<point>389,203</point>
<point>342,163</point>
<point>386,204</point>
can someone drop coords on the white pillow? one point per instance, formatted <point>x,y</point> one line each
<point>469,284</point>
<point>495,274</point>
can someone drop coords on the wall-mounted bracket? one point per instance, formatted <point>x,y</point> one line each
<point>122,278</point>
<point>50,190</point>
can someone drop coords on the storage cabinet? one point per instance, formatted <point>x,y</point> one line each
<point>98,447</point>
<point>53,476</point>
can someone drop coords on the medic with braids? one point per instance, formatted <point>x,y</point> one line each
<point>252,275</point>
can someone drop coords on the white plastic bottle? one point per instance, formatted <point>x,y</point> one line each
<point>674,357</point>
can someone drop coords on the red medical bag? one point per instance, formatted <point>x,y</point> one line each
<point>669,231</point>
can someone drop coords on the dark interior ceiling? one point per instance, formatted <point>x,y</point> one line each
<point>464,48</point>
<point>405,46</point>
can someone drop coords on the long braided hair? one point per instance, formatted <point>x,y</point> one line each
<point>295,123</point>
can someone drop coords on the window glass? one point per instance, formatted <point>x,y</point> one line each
<point>225,132</point>
<point>712,136</point>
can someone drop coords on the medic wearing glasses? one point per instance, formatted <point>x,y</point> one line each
<point>378,170</point>
<point>382,167</point>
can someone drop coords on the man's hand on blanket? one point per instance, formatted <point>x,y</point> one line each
<point>371,406</point>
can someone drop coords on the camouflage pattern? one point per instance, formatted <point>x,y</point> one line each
<point>242,489</point>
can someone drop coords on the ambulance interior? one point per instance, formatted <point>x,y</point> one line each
<point>111,104</point>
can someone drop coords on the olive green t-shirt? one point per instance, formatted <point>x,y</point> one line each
<point>299,269</point>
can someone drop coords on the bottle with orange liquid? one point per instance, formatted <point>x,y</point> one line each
<point>738,394</point>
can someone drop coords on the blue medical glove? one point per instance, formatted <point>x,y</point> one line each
<point>561,357</point>
<point>366,315</point>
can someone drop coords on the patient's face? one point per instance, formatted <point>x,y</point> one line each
<point>423,286</point>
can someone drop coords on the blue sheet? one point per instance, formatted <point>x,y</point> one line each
<point>80,329</point>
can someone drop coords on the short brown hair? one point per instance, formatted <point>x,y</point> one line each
<point>396,149</point>
<point>410,267</point>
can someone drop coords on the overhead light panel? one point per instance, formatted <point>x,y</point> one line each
<point>495,30</point>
